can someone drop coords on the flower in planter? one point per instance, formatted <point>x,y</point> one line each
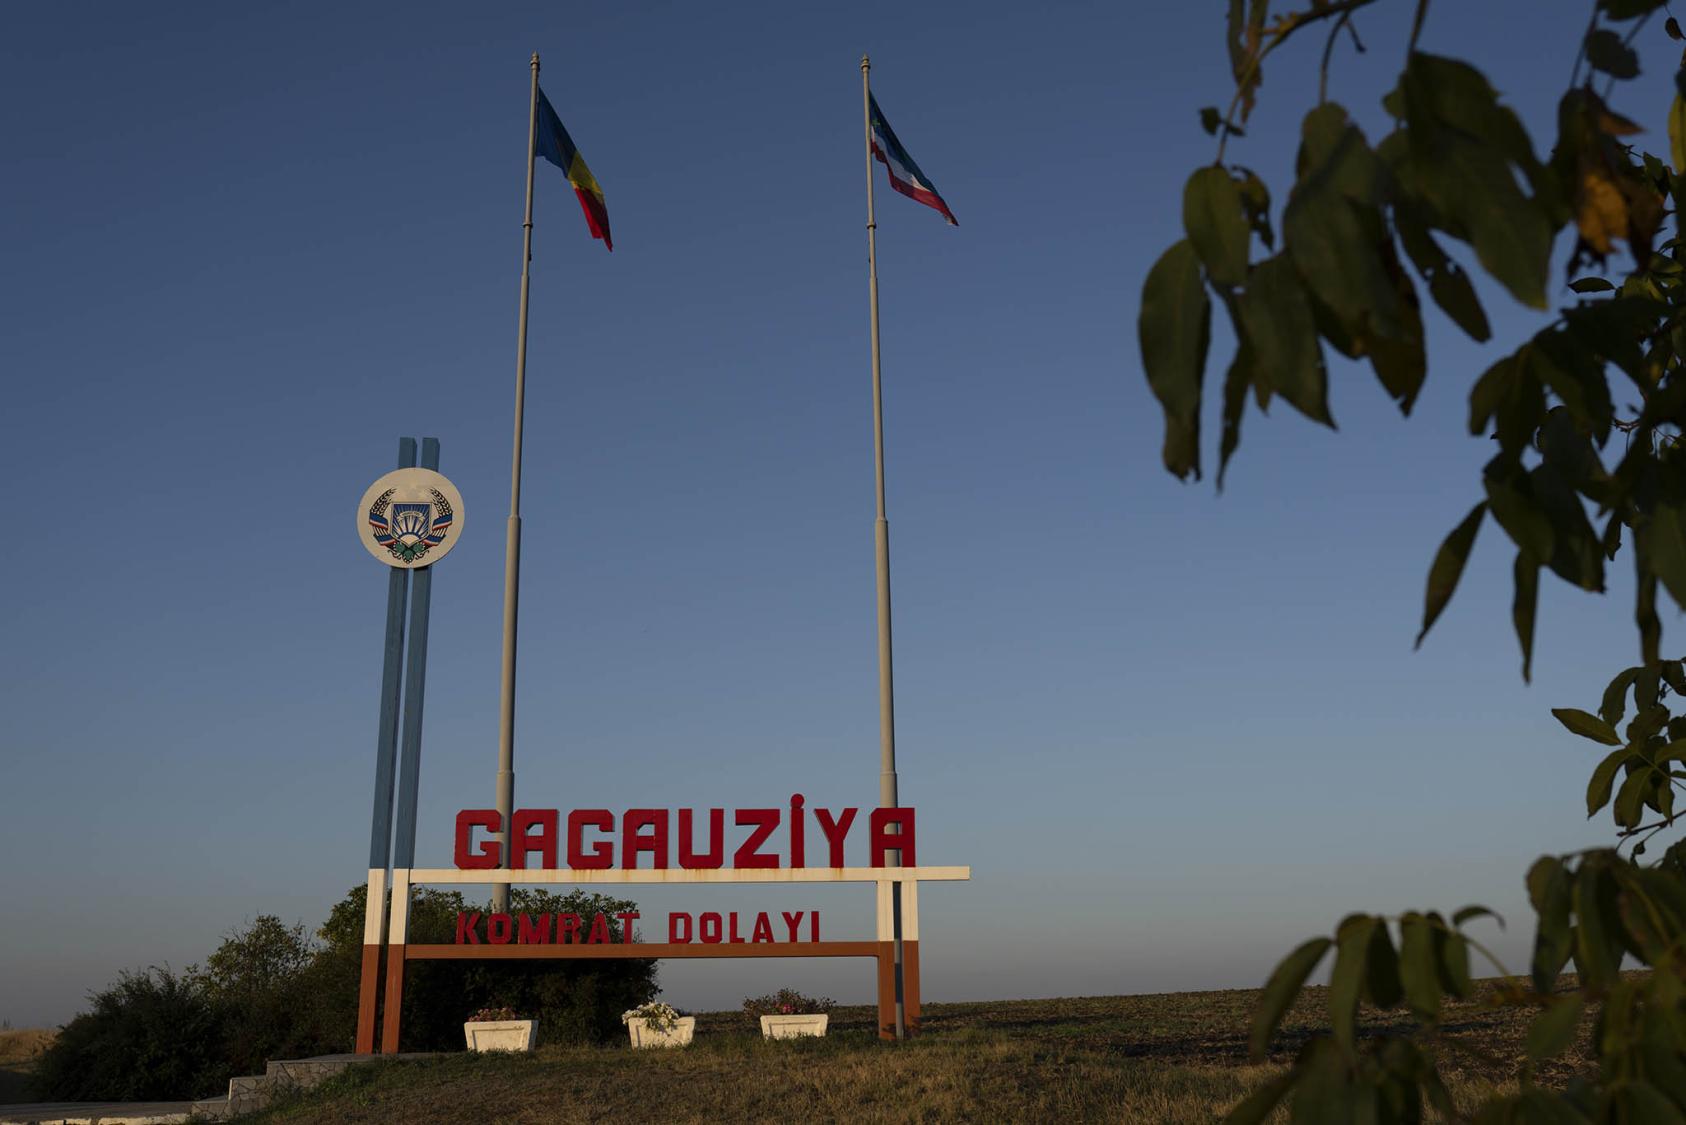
<point>656,1015</point>
<point>786,1002</point>
<point>494,1015</point>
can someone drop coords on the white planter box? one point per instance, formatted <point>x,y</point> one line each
<point>501,1035</point>
<point>643,1035</point>
<point>792,1027</point>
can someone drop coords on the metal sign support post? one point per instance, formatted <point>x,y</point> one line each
<point>397,755</point>
<point>386,753</point>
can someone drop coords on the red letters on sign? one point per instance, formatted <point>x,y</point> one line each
<point>535,838</point>
<point>534,831</point>
<point>529,932</point>
<point>764,820</point>
<point>715,856</point>
<point>835,831</point>
<point>634,841</point>
<point>490,854</point>
<point>682,929</point>
<point>883,840</point>
<point>602,854</point>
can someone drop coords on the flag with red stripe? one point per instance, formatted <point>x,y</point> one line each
<point>905,175</point>
<point>553,143</point>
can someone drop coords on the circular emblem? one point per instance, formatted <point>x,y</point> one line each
<point>410,518</point>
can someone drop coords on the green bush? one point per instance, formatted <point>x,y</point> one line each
<point>271,991</point>
<point>575,1002</point>
<point>152,1035</point>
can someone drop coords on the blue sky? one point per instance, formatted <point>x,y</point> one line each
<point>1173,733</point>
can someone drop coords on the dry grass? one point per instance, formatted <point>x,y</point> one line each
<point>18,1052</point>
<point>1170,1058</point>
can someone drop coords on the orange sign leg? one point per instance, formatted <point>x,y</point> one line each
<point>394,998</point>
<point>368,998</point>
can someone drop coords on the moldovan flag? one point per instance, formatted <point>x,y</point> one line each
<point>554,144</point>
<point>905,175</point>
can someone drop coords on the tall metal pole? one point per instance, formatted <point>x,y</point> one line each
<point>415,694</point>
<point>881,535</point>
<point>512,541</point>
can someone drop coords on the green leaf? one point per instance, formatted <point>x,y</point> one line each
<point>1333,229</point>
<point>1554,1029</point>
<point>1525,601</point>
<point>1256,1108</point>
<point>1210,118</point>
<point>1603,778</point>
<point>1175,328</point>
<point>1401,360</point>
<point>1665,541</point>
<point>1463,146</point>
<point>1382,986</point>
<point>1597,948</point>
<point>1276,315</point>
<point>1471,913</point>
<point>1281,989</point>
<point>1511,497</point>
<point>1418,971</point>
<point>1216,225</point>
<point>1639,1103</point>
<point>1630,797</point>
<point>1448,284</point>
<point>1606,52</point>
<point>1591,285</point>
<point>1549,892</point>
<point>1509,395</point>
<point>1236,382</point>
<point>1346,980</point>
<point>1576,556</point>
<point>1452,952</point>
<point>1448,567</point>
<point>1587,726</point>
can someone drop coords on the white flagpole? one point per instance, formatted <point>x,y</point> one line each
<point>512,541</point>
<point>887,797</point>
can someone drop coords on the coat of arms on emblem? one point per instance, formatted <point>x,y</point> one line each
<point>409,529</point>
<point>410,518</point>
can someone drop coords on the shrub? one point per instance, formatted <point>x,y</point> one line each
<point>152,1035</point>
<point>575,1002</point>
<point>786,1002</point>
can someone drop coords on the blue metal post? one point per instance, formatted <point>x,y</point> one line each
<point>386,742</point>
<point>415,686</point>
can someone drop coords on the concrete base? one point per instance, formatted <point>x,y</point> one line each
<point>643,1035</point>
<point>793,1027</point>
<point>501,1035</point>
<point>96,1113</point>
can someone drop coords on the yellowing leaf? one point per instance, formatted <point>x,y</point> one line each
<point>1600,210</point>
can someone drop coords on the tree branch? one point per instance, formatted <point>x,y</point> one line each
<point>1284,28</point>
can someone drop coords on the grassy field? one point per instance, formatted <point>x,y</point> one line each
<point>1171,1058</point>
<point>18,1052</point>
